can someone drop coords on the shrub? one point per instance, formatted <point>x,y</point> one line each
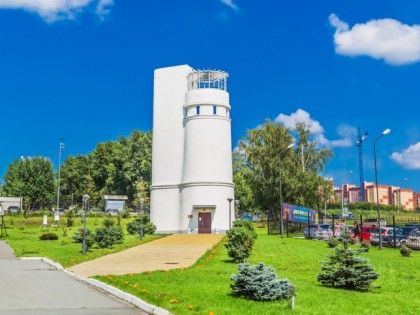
<point>70,220</point>
<point>365,245</point>
<point>332,242</point>
<point>133,227</point>
<point>90,238</point>
<point>106,237</point>
<point>259,282</point>
<point>345,269</point>
<point>108,222</point>
<point>405,251</point>
<point>239,244</point>
<point>126,214</point>
<point>48,237</point>
<point>149,228</point>
<point>247,225</point>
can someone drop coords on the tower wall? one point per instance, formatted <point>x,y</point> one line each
<point>170,86</point>
<point>207,174</point>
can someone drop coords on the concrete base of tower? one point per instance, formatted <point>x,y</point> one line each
<point>205,207</point>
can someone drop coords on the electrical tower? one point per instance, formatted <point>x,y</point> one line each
<point>360,139</point>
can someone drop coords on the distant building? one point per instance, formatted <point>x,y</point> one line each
<point>7,202</point>
<point>416,200</point>
<point>353,194</point>
<point>403,198</point>
<point>114,202</point>
<point>382,192</point>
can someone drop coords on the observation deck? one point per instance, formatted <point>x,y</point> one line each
<point>207,79</point>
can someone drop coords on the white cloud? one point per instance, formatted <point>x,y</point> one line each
<point>300,116</point>
<point>230,4</point>
<point>103,8</point>
<point>386,39</point>
<point>53,10</point>
<point>346,132</point>
<point>409,158</point>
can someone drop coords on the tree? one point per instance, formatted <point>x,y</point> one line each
<point>345,269</point>
<point>120,167</point>
<point>33,179</point>
<point>262,150</point>
<point>243,190</point>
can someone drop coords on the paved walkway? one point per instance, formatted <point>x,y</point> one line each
<point>171,252</point>
<point>34,287</point>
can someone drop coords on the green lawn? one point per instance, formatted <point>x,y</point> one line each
<point>24,239</point>
<point>205,286</point>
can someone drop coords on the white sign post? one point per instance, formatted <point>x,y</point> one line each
<point>45,221</point>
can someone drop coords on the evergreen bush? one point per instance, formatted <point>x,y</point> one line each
<point>48,237</point>
<point>345,269</point>
<point>149,228</point>
<point>108,222</point>
<point>258,282</point>
<point>332,242</point>
<point>90,237</point>
<point>365,245</point>
<point>106,237</point>
<point>405,251</point>
<point>239,244</point>
<point>70,220</point>
<point>247,225</point>
<point>133,227</point>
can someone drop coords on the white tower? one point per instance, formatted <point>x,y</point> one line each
<point>192,152</point>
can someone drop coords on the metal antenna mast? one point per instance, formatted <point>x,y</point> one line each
<point>360,139</point>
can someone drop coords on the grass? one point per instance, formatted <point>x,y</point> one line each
<point>24,239</point>
<point>204,288</point>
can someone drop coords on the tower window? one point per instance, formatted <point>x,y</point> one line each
<point>214,110</point>
<point>197,110</point>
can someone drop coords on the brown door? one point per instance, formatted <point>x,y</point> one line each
<point>204,222</point>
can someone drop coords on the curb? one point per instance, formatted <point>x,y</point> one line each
<point>124,296</point>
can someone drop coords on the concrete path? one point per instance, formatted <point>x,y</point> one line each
<point>34,287</point>
<point>171,252</point>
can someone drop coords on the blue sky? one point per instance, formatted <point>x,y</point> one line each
<point>83,70</point>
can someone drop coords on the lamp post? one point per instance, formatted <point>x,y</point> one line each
<point>230,212</point>
<point>141,218</point>
<point>59,174</point>
<point>385,132</point>
<point>85,199</point>
<point>236,209</point>
<point>281,195</point>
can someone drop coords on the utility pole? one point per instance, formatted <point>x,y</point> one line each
<point>59,173</point>
<point>360,139</point>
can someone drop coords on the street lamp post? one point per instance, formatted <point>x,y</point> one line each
<point>385,132</point>
<point>85,199</point>
<point>236,209</point>
<point>281,195</point>
<point>141,218</point>
<point>230,212</point>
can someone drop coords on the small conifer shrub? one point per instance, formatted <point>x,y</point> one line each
<point>346,269</point>
<point>365,245</point>
<point>332,242</point>
<point>48,237</point>
<point>149,228</point>
<point>258,282</point>
<point>405,251</point>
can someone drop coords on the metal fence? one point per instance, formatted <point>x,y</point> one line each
<point>394,236</point>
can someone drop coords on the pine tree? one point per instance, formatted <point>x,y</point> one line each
<point>346,269</point>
